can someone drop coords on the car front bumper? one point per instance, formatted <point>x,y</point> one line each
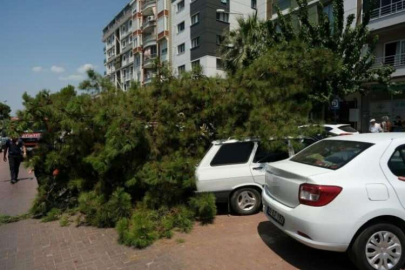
<point>308,228</point>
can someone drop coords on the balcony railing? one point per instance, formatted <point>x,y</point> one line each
<point>148,3</point>
<point>396,61</point>
<point>151,21</point>
<point>388,10</point>
<point>149,60</point>
<point>147,39</point>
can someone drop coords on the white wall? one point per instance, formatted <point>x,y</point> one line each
<point>179,38</point>
<point>236,7</point>
<point>350,7</point>
<point>262,9</point>
<point>209,66</point>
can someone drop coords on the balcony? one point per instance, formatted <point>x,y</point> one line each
<point>387,16</point>
<point>149,24</point>
<point>148,40</point>
<point>397,61</point>
<point>147,8</point>
<point>149,61</point>
<point>388,10</point>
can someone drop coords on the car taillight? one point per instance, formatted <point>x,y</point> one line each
<point>317,195</point>
<point>344,134</point>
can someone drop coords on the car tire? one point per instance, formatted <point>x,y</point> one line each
<point>246,201</point>
<point>391,236</point>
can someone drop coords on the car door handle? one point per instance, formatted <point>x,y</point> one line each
<point>402,178</point>
<point>259,168</point>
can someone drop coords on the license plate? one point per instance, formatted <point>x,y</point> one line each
<point>275,216</point>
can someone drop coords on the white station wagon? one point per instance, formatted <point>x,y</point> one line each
<point>234,171</point>
<point>344,194</point>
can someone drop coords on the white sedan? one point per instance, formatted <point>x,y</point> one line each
<point>344,194</point>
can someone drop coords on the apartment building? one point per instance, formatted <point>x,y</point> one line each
<point>388,23</point>
<point>182,33</point>
<point>118,39</point>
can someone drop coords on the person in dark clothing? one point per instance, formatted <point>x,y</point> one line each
<point>16,152</point>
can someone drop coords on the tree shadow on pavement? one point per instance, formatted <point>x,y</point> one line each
<point>299,255</point>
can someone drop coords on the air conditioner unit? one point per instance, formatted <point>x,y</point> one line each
<point>150,18</point>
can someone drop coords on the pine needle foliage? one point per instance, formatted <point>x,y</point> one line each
<point>127,159</point>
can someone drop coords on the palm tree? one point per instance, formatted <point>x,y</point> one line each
<point>243,45</point>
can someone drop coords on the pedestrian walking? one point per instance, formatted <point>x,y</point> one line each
<point>16,153</point>
<point>386,124</point>
<point>375,127</point>
<point>398,125</point>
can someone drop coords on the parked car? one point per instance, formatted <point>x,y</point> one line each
<point>344,194</point>
<point>234,171</point>
<point>340,129</point>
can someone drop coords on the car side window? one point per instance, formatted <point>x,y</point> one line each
<point>397,162</point>
<point>263,156</point>
<point>233,153</point>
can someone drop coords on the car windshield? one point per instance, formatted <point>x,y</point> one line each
<point>348,128</point>
<point>331,154</point>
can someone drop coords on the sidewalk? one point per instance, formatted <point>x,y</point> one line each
<point>16,199</point>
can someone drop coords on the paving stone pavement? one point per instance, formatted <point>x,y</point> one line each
<point>16,199</point>
<point>230,243</point>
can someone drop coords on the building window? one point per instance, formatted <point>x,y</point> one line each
<point>223,17</point>
<point>124,58</point>
<point>195,18</point>
<point>219,39</point>
<point>220,64</point>
<point>137,60</point>
<point>253,4</point>
<point>180,27</point>
<point>164,51</point>
<point>130,54</point>
<point>181,48</point>
<point>195,64</point>
<point>394,53</point>
<point>282,5</point>
<point>328,11</point>
<point>181,69</point>
<point>180,6</point>
<point>195,42</point>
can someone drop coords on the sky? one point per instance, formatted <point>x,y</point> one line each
<point>48,44</point>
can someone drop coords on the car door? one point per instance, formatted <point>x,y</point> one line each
<point>261,158</point>
<point>230,166</point>
<point>393,166</point>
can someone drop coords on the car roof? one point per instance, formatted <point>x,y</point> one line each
<point>335,125</point>
<point>225,141</point>
<point>370,137</point>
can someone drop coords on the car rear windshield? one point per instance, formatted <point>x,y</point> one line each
<point>331,154</point>
<point>348,129</point>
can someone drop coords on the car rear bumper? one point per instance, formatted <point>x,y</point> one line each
<point>311,232</point>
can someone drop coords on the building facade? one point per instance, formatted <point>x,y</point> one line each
<point>388,23</point>
<point>182,33</point>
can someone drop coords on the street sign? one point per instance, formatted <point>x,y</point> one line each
<point>334,105</point>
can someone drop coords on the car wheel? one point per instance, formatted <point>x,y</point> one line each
<point>380,246</point>
<point>246,201</point>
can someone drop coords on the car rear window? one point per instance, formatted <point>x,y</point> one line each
<point>331,154</point>
<point>233,153</point>
<point>347,128</point>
